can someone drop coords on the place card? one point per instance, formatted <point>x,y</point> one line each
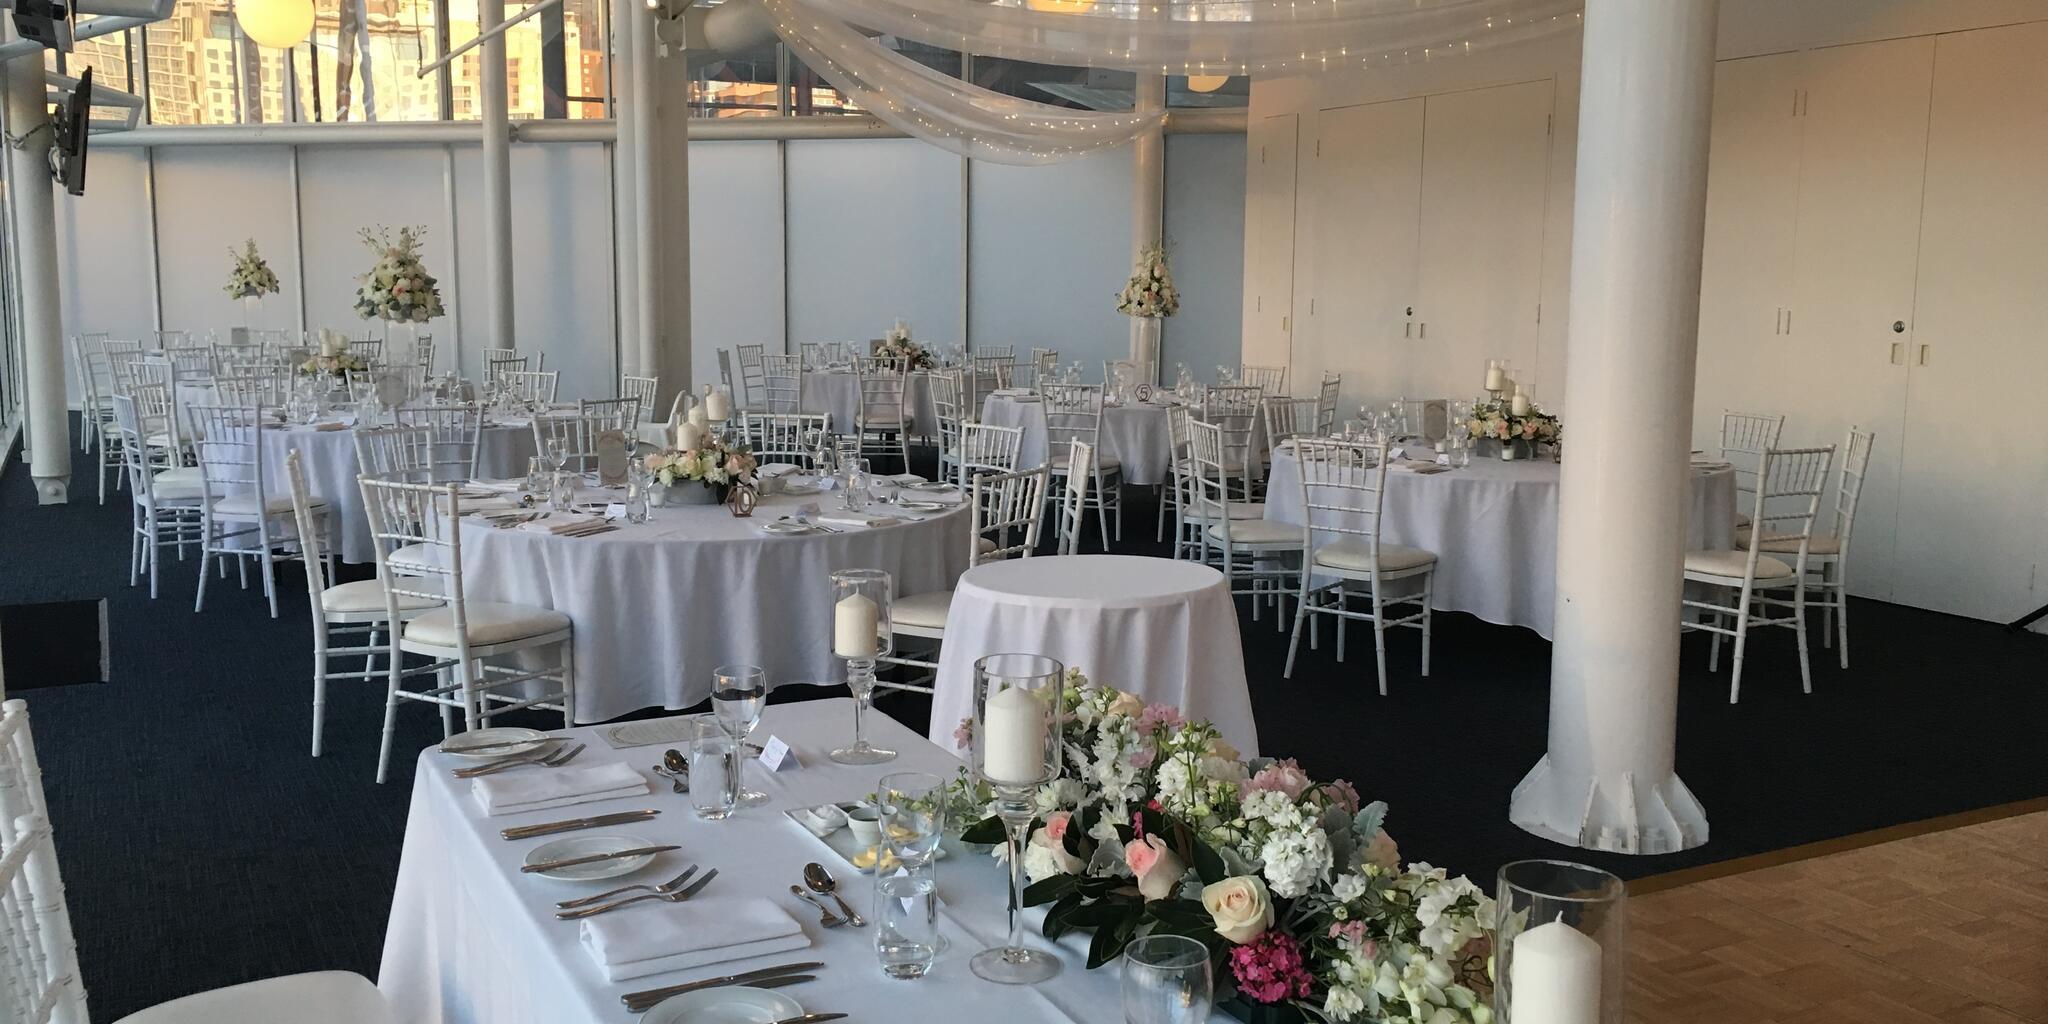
<point>1443,458</point>
<point>1396,454</point>
<point>615,510</point>
<point>775,753</point>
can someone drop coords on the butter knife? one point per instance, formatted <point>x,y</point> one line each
<point>752,977</point>
<point>642,1006</point>
<point>571,825</point>
<point>553,865</point>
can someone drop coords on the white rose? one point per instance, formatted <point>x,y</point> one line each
<point>1239,907</point>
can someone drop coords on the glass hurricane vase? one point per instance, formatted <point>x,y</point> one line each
<point>1559,944</point>
<point>861,634</point>
<point>1018,706</point>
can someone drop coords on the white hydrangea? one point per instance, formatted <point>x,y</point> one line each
<point>1348,887</point>
<point>1272,807</point>
<point>1039,862</point>
<point>1295,860</point>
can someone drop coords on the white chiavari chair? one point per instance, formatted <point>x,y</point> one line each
<point>1790,483</point>
<point>813,355</point>
<point>1270,379</point>
<point>233,357</point>
<point>1289,417</point>
<point>1045,367</point>
<point>96,416</point>
<point>1326,404</point>
<point>1235,408</point>
<point>643,390</point>
<point>784,437</point>
<point>1074,496</point>
<point>531,385</point>
<point>1343,492</point>
<point>344,610</point>
<point>191,362</point>
<point>1006,353</point>
<point>1745,437</point>
<point>369,350</point>
<point>602,414</point>
<point>985,448</point>
<point>162,432</point>
<point>782,383</point>
<point>1827,554</point>
<point>423,354</point>
<point>945,386</point>
<point>498,367</point>
<point>1257,552</point>
<point>460,637</point>
<point>167,340</point>
<point>1007,510</point>
<point>1173,492</point>
<point>395,453</point>
<point>235,502</point>
<point>753,394</point>
<point>90,390</point>
<point>165,502</point>
<point>1074,412</point>
<point>992,372</point>
<point>455,436</point>
<point>1188,518</point>
<point>879,413</point>
<point>39,979</point>
<point>266,389</point>
<point>492,354</point>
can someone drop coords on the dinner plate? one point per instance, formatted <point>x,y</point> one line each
<point>929,486</point>
<point>725,1004</point>
<point>584,846</point>
<point>499,741</point>
<point>924,506</point>
<point>788,528</point>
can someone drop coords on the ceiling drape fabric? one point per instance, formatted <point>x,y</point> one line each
<point>1177,37</point>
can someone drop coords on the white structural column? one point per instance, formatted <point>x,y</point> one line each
<point>625,173</point>
<point>1646,93</point>
<point>35,232</point>
<point>1148,201</point>
<point>497,154</point>
<point>652,170</point>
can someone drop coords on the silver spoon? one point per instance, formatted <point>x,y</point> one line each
<point>680,782</point>
<point>821,881</point>
<point>679,768</point>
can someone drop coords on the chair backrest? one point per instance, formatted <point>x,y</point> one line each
<point>1343,490</point>
<point>228,440</point>
<point>1790,483</point>
<point>39,979</point>
<point>131,369</point>
<point>454,435</point>
<point>1074,497</point>
<point>782,383</point>
<point>1006,353</point>
<point>308,529</point>
<point>531,385</point>
<point>395,453</point>
<point>1326,404</point>
<point>252,389</point>
<point>1073,412</point>
<point>1855,463</point>
<point>426,519</point>
<point>130,428</point>
<point>725,377</point>
<point>784,437</point>
<point>641,388</point>
<point>1290,417</point>
<point>1272,378</point>
<point>992,371</point>
<point>497,367</point>
<point>944,387</point>
<point>423,354</point>
<point>166,340</point>
<point>193,362</point>
<point>1007,510</point>
<point>881,396</point>
<point>602,414</point>
<point>985,448</point>
<point>1208,490</point>
<point>751,358</point>
<point>1745,436</point>
<point>1045,366</point>
<point>1235,408</point>
<point>813,355</point>
<point>369,350</point>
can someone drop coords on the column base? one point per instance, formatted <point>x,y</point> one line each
<point>52,490</point>
<point>1618,815</point>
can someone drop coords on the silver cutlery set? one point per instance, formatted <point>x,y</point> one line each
<point>766,977</point>
<point>555,758</point>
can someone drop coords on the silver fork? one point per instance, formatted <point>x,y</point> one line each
<point>671,897</point>
<point>664,888</point>
<point>554,759</point>
<point>830,919</point>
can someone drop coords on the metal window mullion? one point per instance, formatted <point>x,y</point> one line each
<point>443,77</point>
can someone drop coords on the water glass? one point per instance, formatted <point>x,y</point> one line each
<point>907,922</point>
<point>638,480</point>
<point>913,810</point>
<point>713,772</point>
<point>562,492</point>
<point>738,693</point>
<point>1167,981</point>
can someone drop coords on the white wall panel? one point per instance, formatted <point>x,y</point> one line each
<point>874,234</point>
<point>1205,231</point>
<point>343,189</point>
<point>735,251</point>
<point>107,231</point>
<point>1049,249</point>
<point>211,199</point>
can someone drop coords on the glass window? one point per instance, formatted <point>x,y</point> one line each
<point>734,88</point>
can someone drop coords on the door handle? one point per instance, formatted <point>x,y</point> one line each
<point>1898,353</point>
<point>1422,329</point>
<point>1778,321</point>
<point>1788,321</point>
<point>1408,329</point>
<point>1283,325</point>
<point>1923,354</point>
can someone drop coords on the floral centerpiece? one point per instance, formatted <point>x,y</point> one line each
<point>1158,826</point>
<point>713,464</point>
<point>333,356</point>
<point>1150,292</point>
<point>1498,421</point>
<point>398,288</point>
<point>251,277</point>
<point>896,345</point>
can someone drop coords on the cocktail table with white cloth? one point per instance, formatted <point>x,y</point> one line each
<point>1164,630</point>
<point>473,941</point>
<point>1493,528</point>
<point>658,605</point>
<point>1136,434</point>
<point>837,392</point>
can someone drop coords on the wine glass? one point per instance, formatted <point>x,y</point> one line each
<point>557,451</point>
<point>738,693</point>
<point>1167,981</point>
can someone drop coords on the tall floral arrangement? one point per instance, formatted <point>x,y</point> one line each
<point>1150,291</point>
<point>397,287</point>
<point>251,276</point>
<point>1158,826</point>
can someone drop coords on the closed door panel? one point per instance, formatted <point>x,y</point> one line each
<point>1268,240</point>
<point>1485,175</point>
<point>1860,174</point>
<point>1368,199</point>
<point>1976,467</point>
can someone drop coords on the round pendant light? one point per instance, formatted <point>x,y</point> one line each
<point>1207,83</point>
<point>1061,6</point>
<point>279,24</point>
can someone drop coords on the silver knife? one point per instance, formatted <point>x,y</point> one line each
<point>552,827</point>
<point>552,865</point>
<point>743,978</point>
<point>471,748</point>
<point>809,1018</point>
<point>644,1005</point>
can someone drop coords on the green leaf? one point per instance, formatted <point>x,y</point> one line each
<point>1101,913</point>
<point>986,832</point>
<point>1109,942</point>
<point>1056,919</point>
<point>1209,866</point>
<point>1369,819</point>
<point>1046,890</point>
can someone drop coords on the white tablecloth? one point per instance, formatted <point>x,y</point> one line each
<point>1138,435</point>
<point>473,941</point>
<point>1493,528</point>
<point>658,605</point>
<point>838,392</point>
<point>1162,629</point>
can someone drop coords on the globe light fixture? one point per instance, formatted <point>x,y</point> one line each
<point>1207,83</point>
<point>279,24</point>
<point>1061,6</point>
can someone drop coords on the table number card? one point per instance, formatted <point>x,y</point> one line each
<point>611,458</point>
<point>775,753</point>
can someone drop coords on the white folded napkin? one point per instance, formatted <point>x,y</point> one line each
<point>660,937</point>
<point>952,497</point>
<point>855,519</point>
<point>1414,466</point>
<point>328,426</point>
<point>905,478</point>
<point>531,789</point>
<point>775,469</point>
<point>1011,392</point>
<point>567,522</point>
<point>500,486</point>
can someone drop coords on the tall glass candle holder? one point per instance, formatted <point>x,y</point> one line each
<point>860,635</point>
<point>1018,708</point>
<point>1559,950</point>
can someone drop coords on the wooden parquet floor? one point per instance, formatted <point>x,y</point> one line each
<point>1950,927</point>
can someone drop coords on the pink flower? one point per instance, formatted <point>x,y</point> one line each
<point>656,461</point>
<point>1342,794</point>
<point>1157,868</point>
<point>963,734</point>
<point>1157,715</point>
<point>1143,759</point>
<point>1056,825</point>
<point>1501,429</point>
<point>1281,777</point>
<point>1269,969</point>
<point>1528,429</point>
<point>1382,851</point>
<point>735,464</point>
<point>1354,930</point>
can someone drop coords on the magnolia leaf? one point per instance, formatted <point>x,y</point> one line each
<point>1209,865</point>
<point>1370,819</point>
<point>1056,919</point>
<point>1110,941</point>
<point>1234,864</point>
<point>986,832</point>
<point>1046,890</point>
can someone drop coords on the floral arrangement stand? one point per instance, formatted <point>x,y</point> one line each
<point>1293,884</point>
<point>1517,434</point>
<point>249,280</point>
<point>397,289</point>
<point>896,345</point>
<point>701,474</point>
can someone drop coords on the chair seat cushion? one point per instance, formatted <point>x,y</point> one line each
<point>245,505</point>
<point>1356,556</point>
<point>1732,564</point>
<point>160,439</point>
<point>1741,520</point>
<point>924,611</point>
<point>1237,510</point>
<point>984,545</point>
<point>183,483</point>
<point>1260,532</point>
<point>367,596</point>
<point>1788,544</point>
<point>323,997</point>
<point>490,622</point>
<point>1103,462</point>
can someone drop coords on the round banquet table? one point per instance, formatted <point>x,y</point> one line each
<point>658,605</point>
<point>837,392</point>
<point>1137,434</point>
<point>1493,528</point>
<point>1164,630</point>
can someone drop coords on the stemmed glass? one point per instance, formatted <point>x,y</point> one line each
<point>738,693</point>
<point>1167,981</point>
<point>1018,706</point>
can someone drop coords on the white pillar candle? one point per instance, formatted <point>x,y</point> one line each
<point>698,417</point>
<point>1555,978</point>
<point>1013,737</point>
<point>855,627</point>
<point>1494,376</point>
<point>1519,406</point>
<point>718,406</point>
<point>690,436</point>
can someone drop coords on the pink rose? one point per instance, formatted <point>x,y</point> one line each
<point>656,461</point>
<point>1342,794</point>
<point>1502,430</point>
<point>1158,869</point>
<point>1383,852</point>
<point>1528,429</point>
<point>1283,777</point>
<point>1056,825</point>
<point>735,465</point>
